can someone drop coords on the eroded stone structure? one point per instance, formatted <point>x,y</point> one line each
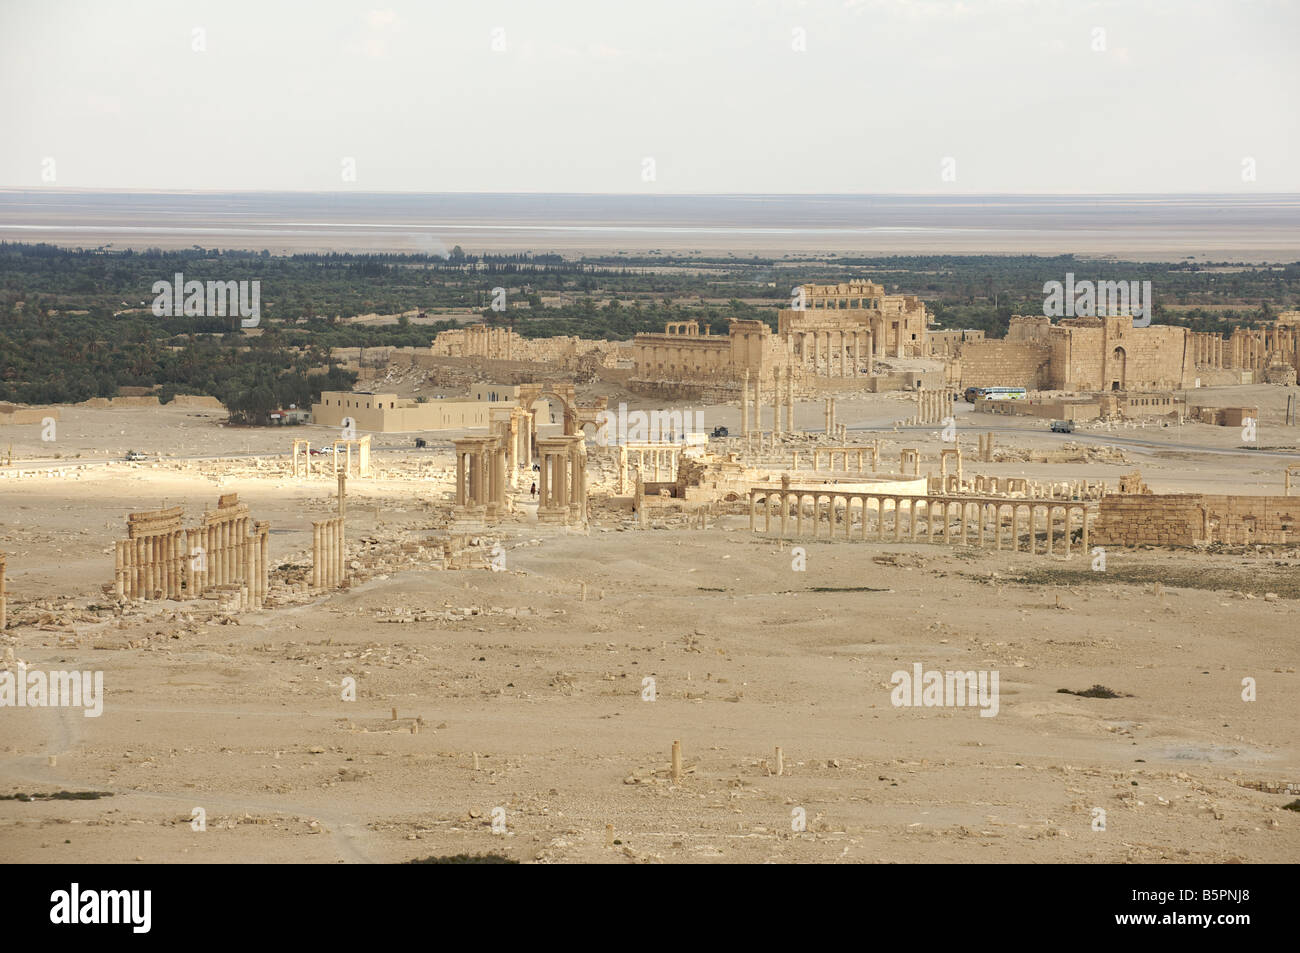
<point>932,406</point>
<point>301,459</point>
<point>838,513</point>
<point>841,328</point>
<point>362,446</point>
<point>1196,519</point>
<point>328,553</point>
<point>480,479</point>
<point>562,483</point>
<point>1108,353</point>
<point>836,331</point>
<point>161,559</point>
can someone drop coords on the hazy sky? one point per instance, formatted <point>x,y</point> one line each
<point>278,95</point>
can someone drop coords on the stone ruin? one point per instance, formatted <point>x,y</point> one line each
<point>162,559</point>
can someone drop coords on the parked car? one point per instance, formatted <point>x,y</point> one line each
<point>420,443</point>
<point>135,456</point>
<point>1062,426</point>
<point>719,432</point>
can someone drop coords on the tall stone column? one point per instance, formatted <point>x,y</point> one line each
<point>789,400</point>
<point>499,456</point>
<point>744,403</point>
<point>315,555</point>
<point>758,402</point>
<point>776,400</point>
<point>343,552</point>
<point>561,488</point>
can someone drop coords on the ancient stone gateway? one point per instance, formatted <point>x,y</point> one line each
<point>980,521</point>
<point>575,417</point>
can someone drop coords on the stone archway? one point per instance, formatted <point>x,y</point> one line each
<point>574,417</point>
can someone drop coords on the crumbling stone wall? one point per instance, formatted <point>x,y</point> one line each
<point>1194,519</point>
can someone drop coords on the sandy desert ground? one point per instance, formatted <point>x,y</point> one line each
<point>529,696</point>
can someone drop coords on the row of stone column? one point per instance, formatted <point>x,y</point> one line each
<point>932,406</point>
<point>973,517</point>
<point>662,466</point>
<point>151,562</point>
<point>751,406</point>
<point>1207,349</point>
<point>859,453</point>
<point>220,547</point>
<point>843,358</point>
<point>492,343</point>
<point>328,552</point>
<point>162,560</point>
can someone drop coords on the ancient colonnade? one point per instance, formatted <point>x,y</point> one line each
<point>782,402</point>
<point>846,453</point>
<point>834,352</point>
<point>328,553</point>
<point>161,559</point>
<point>932,406</point>
<point>661,466</point>
<point>980,522</point>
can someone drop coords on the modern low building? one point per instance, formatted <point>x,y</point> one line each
<point>388,413</point>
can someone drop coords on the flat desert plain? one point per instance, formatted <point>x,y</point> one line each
<point>522,722</point>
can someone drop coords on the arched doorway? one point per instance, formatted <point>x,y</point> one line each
<point>1118,369</point>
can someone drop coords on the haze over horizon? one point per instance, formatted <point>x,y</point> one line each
<point>861,97</point>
